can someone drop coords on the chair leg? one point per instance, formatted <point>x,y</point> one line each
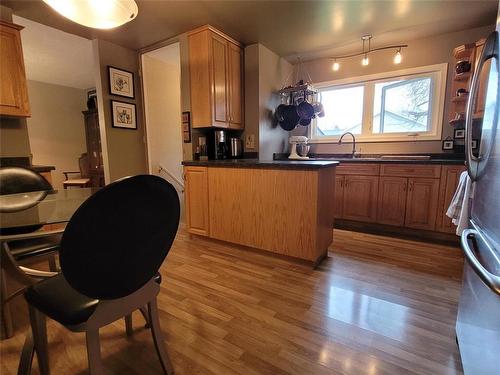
<point>128,325</point>
<point>144,312</point>
<point>26,360</point>
<point>158,339</point>
<point>39,329</point>
<point>94,351</point>
<point>53,264</point>
<point>7,326</point>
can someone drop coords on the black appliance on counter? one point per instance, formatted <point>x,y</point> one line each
<point>217,145</point>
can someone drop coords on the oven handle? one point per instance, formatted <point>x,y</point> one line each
<point>468,241</point>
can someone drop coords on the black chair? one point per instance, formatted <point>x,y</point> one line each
<point>110,254</point>
<point>23,244</point>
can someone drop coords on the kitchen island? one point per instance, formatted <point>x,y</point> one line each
<point>283,207</point>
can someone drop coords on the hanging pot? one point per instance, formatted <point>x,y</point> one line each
<point>290,117</point>
<point>305,110</point>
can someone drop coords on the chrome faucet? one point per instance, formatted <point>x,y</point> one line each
<point>353,142</point>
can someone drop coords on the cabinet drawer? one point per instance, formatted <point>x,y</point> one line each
<point>410,170</point>
<point>359,169</point>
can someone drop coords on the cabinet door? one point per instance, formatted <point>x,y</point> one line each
<point>196,199</point>
<point>449,182</point>
<point>360,198</point>
<point>339,196</point>
<point>421,204</point>
<point>392,200</point>
<point>220,77</point>
<point>14,90</point>
<point>235,86</point>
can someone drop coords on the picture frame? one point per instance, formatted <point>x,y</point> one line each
<point>121,82</point>
<point>448,144</point>
<point>459,134</point>
<point>474,144</point>
<point>186,127</point>
<point>123,115</point>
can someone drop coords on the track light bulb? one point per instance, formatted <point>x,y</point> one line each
<point>335,66</point>
<point>365,61</point>
<point>398,58</point>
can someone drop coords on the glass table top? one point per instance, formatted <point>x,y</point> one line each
<point>41,207</point>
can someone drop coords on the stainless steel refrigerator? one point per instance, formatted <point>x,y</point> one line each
<point>478,320</point>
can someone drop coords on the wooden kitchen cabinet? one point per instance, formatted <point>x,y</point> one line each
<point>339,196</point>
<point>421,203</point>
<point>216,79</point>
<point>448,184</point>
<point>196,200</point>
<point>360,198</point>
<point>14,90</point>
<point>235,86</point>
<point>392,201</point>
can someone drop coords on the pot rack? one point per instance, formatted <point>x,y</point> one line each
<point>301,87</point>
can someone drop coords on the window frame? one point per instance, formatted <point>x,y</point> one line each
<point>438,72</point>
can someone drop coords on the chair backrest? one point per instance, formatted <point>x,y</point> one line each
<point>117,240</point>
<point>83,164</point>
<point>15,180</point>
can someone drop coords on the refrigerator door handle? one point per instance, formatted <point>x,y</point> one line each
<point>490,51</point>
<point>469,240</point>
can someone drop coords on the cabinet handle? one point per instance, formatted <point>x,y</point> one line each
<point>404,187</point>
<point>411,186</point>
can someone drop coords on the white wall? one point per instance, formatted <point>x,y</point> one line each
<point>265,73</point>
<point>56,128</point>
<point>162,96</point>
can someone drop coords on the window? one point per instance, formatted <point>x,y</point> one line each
<point>404,106</point>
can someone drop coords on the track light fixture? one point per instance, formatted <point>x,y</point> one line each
<point>367,50</point>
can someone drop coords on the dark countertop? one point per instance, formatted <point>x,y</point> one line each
<point>42,168</point>
<point>448,159</point>
<point>22,161</point>
<point>256,163</point>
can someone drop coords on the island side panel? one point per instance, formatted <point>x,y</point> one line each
<point>326,211</point>
<point>269,209</point>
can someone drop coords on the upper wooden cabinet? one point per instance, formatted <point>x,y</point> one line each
<point>14,90</point>
<point>216,79</point>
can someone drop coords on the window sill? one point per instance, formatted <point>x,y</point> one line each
<point>360,139</point>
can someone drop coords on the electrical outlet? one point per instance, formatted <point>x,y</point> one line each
<point>250,141</point>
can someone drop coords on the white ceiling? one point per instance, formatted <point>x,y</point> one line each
<point>53,56</point>
<point>311,29</point>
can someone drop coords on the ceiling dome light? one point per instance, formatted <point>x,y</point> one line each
<point>365,61</point>
<point>98,14</point>
<point>335,66</point>
<point>398,58</point>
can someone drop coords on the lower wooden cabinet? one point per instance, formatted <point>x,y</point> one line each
<point>421,203</point>
<point>360,198</point>
<point>392,200</point>
<point>404,195</point>
<point>196,200</point>
<point>339,196</point>
<point>449,181</point>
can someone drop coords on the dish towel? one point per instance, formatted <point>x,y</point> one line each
<point>458,211</point>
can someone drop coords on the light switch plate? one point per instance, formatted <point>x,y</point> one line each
<point>250,141</point>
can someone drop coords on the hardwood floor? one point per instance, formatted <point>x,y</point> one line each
<point>377,305</point>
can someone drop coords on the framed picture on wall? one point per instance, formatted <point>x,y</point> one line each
<point>186,127</point>
<point>121,82</point>
<point>459,134</point>
<point>123,115</point>
<point>448,144</point>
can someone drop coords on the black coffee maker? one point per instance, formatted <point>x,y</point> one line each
<point>217,145</point>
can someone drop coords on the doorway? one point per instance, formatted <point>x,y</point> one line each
<point>161,70</point>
